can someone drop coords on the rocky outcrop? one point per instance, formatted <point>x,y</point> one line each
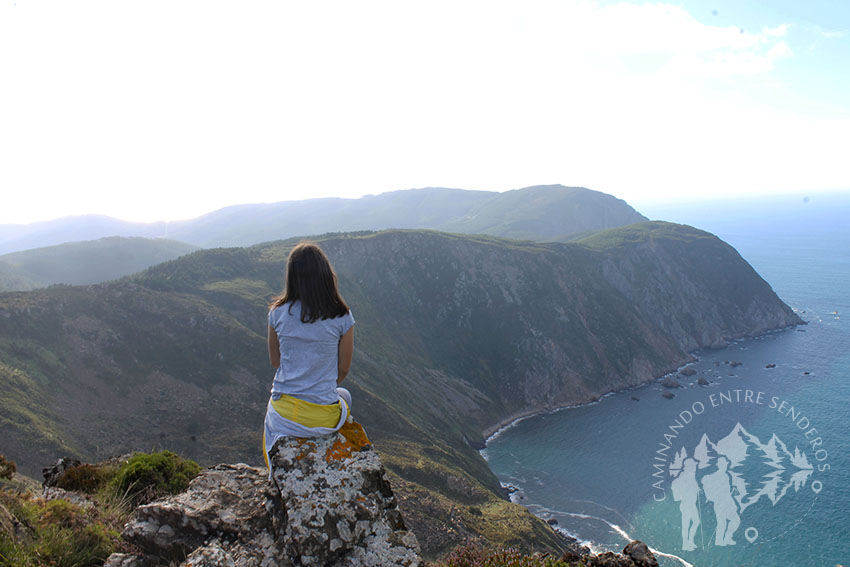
<point>328,503</point>
<point>635,554</point>
<point>340,509</point>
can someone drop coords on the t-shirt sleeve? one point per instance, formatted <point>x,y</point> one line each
<point>271,318</point>
<point>345,323</point>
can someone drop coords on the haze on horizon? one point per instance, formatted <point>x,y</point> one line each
<point>167,111</point>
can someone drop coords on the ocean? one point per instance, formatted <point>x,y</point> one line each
<point>751,469</point>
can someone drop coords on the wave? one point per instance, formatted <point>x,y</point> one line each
<point>596,548</point>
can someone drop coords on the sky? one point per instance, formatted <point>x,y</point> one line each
<point>164,110</point>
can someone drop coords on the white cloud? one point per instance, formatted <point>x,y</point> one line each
<point>170,109</point>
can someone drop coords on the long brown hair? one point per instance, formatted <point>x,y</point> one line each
<point>311,279</point>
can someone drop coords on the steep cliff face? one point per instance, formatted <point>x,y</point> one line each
<point>690,284</point>
<point>454,335</point>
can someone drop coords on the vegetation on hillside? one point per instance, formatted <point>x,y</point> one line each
<point>87,262</point>
<point>474,554</point>
<point>35,531</point>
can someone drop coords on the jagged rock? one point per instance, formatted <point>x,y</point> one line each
<point>635,554</point>
<point>669,395</point>
<point>735,364</point>
<point>670,382</point>
<point>771,365</point>
<point>53,473</point>
<point>226,501</point>
<point>702,381</point>
<point>329,503</point>
<point>571,555</point>
<point>640,554</point>
<point>609,559</point>
<point>54,493</point>
<point>340,509</point>
<point>687,371</point>
<point>212,555</point>
<point>130,560</point>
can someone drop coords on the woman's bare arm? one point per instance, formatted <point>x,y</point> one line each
<point>346,349</point>
<point>274,348</point>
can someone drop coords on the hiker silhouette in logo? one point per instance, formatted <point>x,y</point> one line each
<point>686,491</point>
<point>717,487</point>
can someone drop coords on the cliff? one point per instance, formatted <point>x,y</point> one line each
<point>455,335</point>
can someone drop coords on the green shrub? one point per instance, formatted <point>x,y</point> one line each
<point>7,468</point>
<point>146,477</point>
<point>84,478</point>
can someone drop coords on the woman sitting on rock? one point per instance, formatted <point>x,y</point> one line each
<point>311,340</point>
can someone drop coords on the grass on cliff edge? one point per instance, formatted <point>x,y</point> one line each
<point>473,554</point>
<point>59,533</point>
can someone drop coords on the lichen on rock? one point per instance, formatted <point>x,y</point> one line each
<point>328,503</point>
<point>339,506</point>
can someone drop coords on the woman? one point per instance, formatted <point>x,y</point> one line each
<point>311,340</point>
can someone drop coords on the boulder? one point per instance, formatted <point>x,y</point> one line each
<point>609,559</point>
<point>225,501</point>
<point>130,560</point>
<point>55,493</point>
<point>702,381</point>
<point>670,382</point>
<point>669,395</point>
<point>635,554</point>
<point>687,371</point>
<point>640,554</point>
<point>328,502</point>
<point>340,509</point>
<point>53,473</point>
<point>771,365</point>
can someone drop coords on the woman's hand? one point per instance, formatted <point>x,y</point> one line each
<point>346,349</point>
<point>274,348</point>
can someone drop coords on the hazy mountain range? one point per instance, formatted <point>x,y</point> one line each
<point>543,213</point>
<point>87,262</point>
<point>455,335</point>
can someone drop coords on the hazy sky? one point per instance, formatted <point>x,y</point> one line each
<point>159,110</point>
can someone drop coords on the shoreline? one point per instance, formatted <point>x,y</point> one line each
<point>495,431</point>
<point>491,432</point>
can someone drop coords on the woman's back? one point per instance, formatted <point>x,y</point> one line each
<point>309,354</point>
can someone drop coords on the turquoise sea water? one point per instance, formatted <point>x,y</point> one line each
<point>592,467</point>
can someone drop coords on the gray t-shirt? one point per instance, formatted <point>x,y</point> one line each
<point>309,354</point>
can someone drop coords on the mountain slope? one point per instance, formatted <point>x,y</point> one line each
<point>543,213</point>
<point>80,263</point>
<point>455,335</point>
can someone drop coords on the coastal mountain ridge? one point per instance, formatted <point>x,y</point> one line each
<point>86,262</point>
<point>543,213</point>
<point>455,336</point>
